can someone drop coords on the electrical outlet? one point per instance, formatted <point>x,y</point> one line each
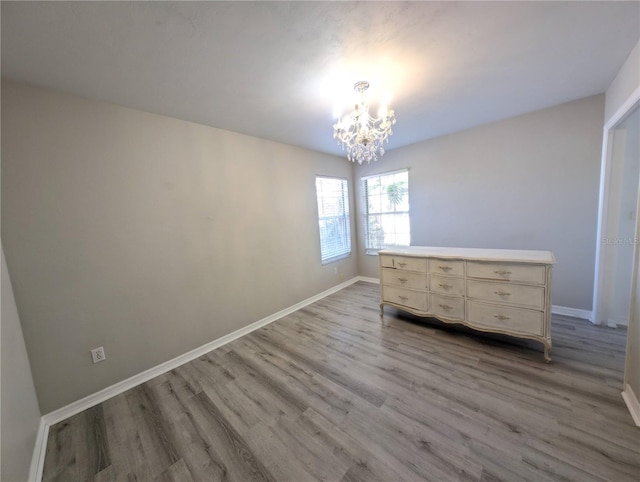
<point>98,354</point>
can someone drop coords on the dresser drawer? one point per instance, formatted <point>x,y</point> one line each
<point>405,279</point>
<point>522,295</point>
<point>411,299</point>
<point>505,318</point>
<point>450,267</point>
<point>447,306</point>
<point>446,285</point>
<point>521,273</point>
<point>492,290</point>
<point>403,262</point>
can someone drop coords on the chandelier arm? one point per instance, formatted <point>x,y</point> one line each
<point>362,135</point>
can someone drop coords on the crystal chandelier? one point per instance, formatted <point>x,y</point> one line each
<point>361,134</point>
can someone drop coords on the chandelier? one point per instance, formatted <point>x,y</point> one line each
<point>363,135</point>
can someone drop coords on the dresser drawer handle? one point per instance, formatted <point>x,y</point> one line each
<point>501,317</point>
<point>445,268</point>
<point>502,272</point>
<point>403,298</point>
<point>402,265</point>
<point>502,293</point>
<point>402,280</point>
<point>445,286</point>
<point>446,307</point>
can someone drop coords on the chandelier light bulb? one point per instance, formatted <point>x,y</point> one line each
<point>364,136</point>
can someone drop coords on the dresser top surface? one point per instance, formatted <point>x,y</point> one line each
<point>475,254</point>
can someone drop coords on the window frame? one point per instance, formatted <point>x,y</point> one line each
<point>343,218</point>
<point>366,214</point>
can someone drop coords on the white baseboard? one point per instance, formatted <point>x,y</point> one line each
<point>632,404</point>
<point>117,388</point>
<point>51,418</point>
<point>39,451</point>
<point>369,280</point>
<point>574,312</point>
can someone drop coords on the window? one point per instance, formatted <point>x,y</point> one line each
<point>386,205</point>
<point>333,218</point>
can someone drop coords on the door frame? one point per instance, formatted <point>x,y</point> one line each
<point>633,101</point>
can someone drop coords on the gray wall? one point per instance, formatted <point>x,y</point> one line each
<point>529,182</point>
<point>20,415</point>
<point>147,235</point>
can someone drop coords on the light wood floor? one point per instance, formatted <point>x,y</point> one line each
<point>331,392</point>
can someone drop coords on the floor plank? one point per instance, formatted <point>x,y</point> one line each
<point>333,392</point>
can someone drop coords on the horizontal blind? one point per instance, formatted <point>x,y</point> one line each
<point>333,218</point>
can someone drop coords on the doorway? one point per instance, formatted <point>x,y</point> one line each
<point>618,218</point>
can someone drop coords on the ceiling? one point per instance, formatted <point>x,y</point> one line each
<point>280,70</point>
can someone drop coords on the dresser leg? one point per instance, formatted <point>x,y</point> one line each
<point>547,349</point>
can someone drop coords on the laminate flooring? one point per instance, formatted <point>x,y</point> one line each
<point>332,392</point>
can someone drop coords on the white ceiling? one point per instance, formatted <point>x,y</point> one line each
<point>278,70</point>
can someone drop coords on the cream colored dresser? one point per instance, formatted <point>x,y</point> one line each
<point>493,290</point>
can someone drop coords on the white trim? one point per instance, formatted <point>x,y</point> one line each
<point>39,451</point>
<point>603,199</point>
<point>603,203</point>
<point>366,279</point>
<point>51,418</point>
<point>624,109</point>
<point>632,404</point>
<point>369,280</point>
<point>574,312</point>
<point>385,173</point>
<point>89,401</point>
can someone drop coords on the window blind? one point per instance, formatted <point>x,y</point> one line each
<point>333,218</point>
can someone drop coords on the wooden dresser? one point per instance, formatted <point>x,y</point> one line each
<point>493,290</point>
